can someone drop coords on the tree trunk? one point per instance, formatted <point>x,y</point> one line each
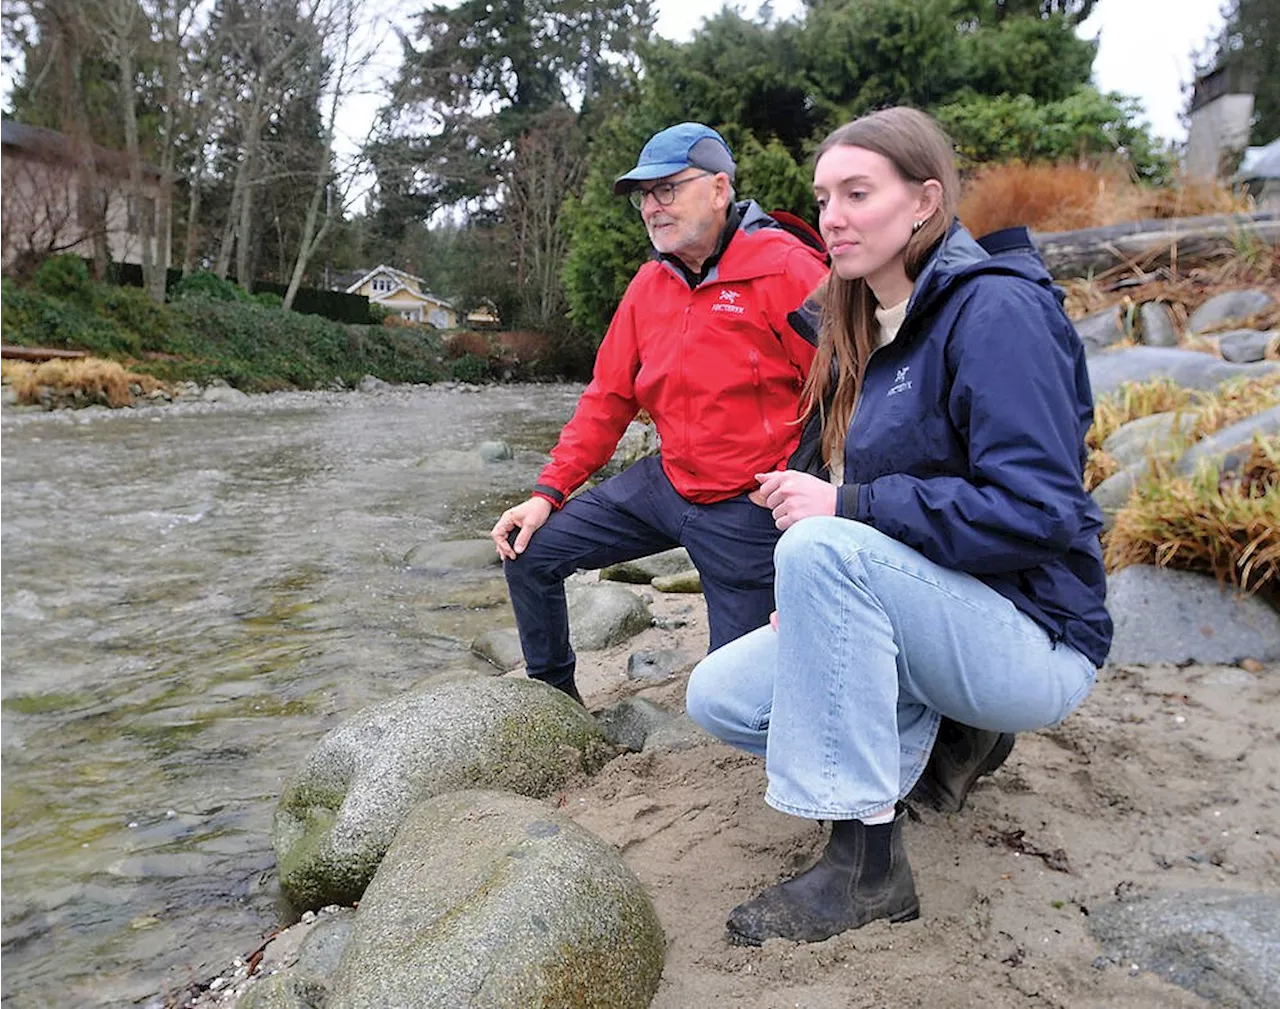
<point>1176,242</point>
<point>146,222</point>
<point>193,218</point>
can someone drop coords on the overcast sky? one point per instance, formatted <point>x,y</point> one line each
<point>1144,47</point>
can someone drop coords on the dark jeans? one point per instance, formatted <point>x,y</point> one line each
<point>631,515</point>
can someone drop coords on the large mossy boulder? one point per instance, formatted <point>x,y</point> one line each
<point>339,814</point>
<point>492,901</point>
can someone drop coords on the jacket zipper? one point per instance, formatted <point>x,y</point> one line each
<point>759,393</point>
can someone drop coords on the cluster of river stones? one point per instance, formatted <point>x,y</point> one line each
<point>434,813</point>
<point>1164,615</point>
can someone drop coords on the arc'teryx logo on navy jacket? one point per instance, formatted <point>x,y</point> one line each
<point>967,441</point>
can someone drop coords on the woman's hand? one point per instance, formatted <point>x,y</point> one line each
<point>792,496</point>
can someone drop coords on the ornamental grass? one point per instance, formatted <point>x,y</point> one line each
<point>97,380</point>
<point>1227,526</point>
<point>1211,411</point>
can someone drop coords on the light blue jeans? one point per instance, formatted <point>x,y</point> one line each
<point>874,644</point>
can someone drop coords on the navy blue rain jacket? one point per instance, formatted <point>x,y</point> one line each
<point>967,440</point>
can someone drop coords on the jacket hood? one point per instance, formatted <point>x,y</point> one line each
<point>959,256</point>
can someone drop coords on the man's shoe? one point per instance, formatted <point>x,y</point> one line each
<point>961,755</point>
<point>863,875</point>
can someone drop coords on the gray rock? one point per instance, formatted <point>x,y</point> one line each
<point>491,901</point>
<point>339,813</point>
<point>494,451</point>
<point>680,733</point>
<point>500,647</point>
<point>8,396</point>
<point>1228,448</point>
<point>371,383</point>
<point>685,581</point>
<point>1157,435</point>
<point>645,569</point>
<point>637,442</point>
<point>657,665</point>
<point>1244,346</point>
<point>1157,325</point>
<point>224,394</point>
<point>629,723</point>
<point>1188,368</point>
<point>288,990</point>
<point>321,951</point>
<point>1227,306</point>
<point>1113,493</point>
<point>1223,946</point>
<point>1100,329</point>
<point>1181,617</point>
<point>453,460</point>
<point>453,554</point>
<point>603,615</point>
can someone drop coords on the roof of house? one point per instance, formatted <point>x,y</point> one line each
<point>50,145</point>
<point>1260,162</point>
<point>402,279</point>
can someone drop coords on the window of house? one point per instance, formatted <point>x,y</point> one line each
<point>140,215</point>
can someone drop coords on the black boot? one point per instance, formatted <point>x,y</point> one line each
<point>862,875</point>
<point>961,755</point>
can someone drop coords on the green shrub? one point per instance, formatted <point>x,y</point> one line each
<point>470,368</point>
<point>207,285</point>
<point>268,299</point>
<point>153,324</point>
<point>65,277</point>
<point>32,318</point>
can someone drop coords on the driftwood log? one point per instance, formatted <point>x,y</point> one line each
<point>37,353</point>
<point>1144,245</point>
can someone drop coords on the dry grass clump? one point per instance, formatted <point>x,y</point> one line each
<point>96,380</point>
<point>1252,265</point>
<point>1098,466</point>
<point>1068,196</point>
<point>1234,401</point>
<point>1226,526</point>
<point>1131,401</point>
<point>1207,412</point>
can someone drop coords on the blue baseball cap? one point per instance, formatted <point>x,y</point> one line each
<point>685,145</point>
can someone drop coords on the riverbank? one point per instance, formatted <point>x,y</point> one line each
<point>1163,780</point>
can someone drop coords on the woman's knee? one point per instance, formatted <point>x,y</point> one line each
<point>820,543</point>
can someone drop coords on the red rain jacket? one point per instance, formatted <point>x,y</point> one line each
<point>718,368</point>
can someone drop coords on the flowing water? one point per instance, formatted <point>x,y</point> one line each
<point>192,596</point>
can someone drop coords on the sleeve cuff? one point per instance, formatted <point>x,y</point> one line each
<point>549,494</point>
<point>851,501</point>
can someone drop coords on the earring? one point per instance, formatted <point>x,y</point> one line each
<point>917,226</point>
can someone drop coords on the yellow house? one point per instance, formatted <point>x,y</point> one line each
<point>405,295</point>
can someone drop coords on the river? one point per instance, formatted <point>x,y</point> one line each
<point>191,596</point>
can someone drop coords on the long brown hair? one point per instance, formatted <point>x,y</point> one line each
<point>919,150</point>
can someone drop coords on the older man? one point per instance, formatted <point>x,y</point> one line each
<point>702,342</point>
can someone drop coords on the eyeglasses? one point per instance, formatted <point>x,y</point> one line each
<point>663,192</point>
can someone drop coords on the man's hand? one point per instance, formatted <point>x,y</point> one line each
<point>528,518</point>
<point>792,496</point>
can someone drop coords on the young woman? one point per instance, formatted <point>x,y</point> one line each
<point>948,565</point>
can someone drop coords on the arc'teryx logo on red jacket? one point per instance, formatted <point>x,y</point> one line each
<point>717,366</point>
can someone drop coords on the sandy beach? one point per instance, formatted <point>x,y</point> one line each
<point>1164,779</point>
